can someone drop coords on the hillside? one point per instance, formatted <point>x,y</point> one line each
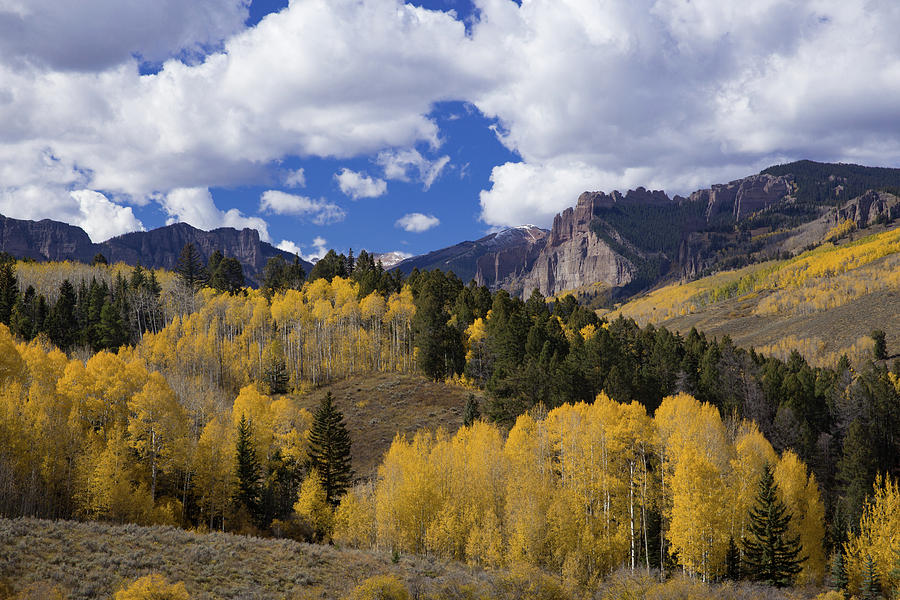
<point>823,302</point>
<point>93,560</point>
<point>378,406</point>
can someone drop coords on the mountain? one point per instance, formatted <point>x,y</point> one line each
<point>615,245</point>
<point>494,260</point>
<point>158,248</point>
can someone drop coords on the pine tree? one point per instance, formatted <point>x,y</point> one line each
<point>769,555</point>
<point>249,471</point>
<point>870,588</point>
<point>880,350</point>
<point>472,413</point>
<point>329,450</point>
<point>190,267</point>
<point>732,561</point>
<point>9,290</point>
<point>839,580</point>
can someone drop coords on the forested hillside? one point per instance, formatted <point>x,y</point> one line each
<point>596,446</point>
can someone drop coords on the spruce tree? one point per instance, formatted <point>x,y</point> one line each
<point>732,561</point>
<point>770,556</point>
<point>248,471</point>
<point>329,450</point>
<point>879,351</point>
<point>472,413</point>
<point>870,588</point>
<point>190,267</point>
<point>839,580</point>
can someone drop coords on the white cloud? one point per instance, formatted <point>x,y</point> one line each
<point>398,164</point>
<point>289,246</point>
<point>320,212</point>
<point>295,178</point>
<point>195,206</point>
<point>92,34</point>
<point>319,249</point>
<point>359,185</point>
<point>662,93</point>
<point>92,211</point>
<point>102,219</point>
<point>417,222</point>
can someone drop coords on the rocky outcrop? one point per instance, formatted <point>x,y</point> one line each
<point>574,256</point>
<point>159,248</point>
<point>742,197</point>
<point>44,240</point>
<point>868,209</point>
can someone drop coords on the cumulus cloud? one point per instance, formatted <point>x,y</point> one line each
<point>289,246</point>
<point>100,218</point>
<point>320,212</point>
<point>359,185</point>
<point>417,222</point>
<point>319,249</point>
<point>399,164</point>
<point>295,178</point>
<point>195,206</point>
<point>660,93</point>
<point>93,34</point>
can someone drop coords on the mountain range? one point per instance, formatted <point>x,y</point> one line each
<point>158,248</point>
<point>610,245</point>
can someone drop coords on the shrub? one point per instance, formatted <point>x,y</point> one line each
<point>380,587</point>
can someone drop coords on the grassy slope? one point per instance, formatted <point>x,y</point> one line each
<point>749,323</point>
<point>93,560</point>
<point>376,407</point>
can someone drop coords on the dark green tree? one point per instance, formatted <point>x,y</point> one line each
<point>275,372</point>
<point>63,327</point>
<point>472,413</point>
<point>279,276</point>
<point>870,588</point>
<point>330,266</point>
<point>189,267</point>
<point>770,556</point>
<point>732,561</point>
<point>880,349</point>
<point>227,275</point>
<point>248,471</point>
<point>9,290</point>
<point>329,450</point>
<point>839,580</point>
<point>99,259</point>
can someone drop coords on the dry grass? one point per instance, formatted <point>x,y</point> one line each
<point>93,560</point>
<point>378,406</point>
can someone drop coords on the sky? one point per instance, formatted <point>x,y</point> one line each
<point>408,127</point>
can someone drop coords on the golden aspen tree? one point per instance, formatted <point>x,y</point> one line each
<point>214,469</point>
<point>407,494</point>
<point>752,451</point>
<point>695,457</point>
<point>254,406</point>
<point>354,518</point>
<point>312,506</point>
<point>111,490</point>
<point>11,366</point>
<point>157,424</point>
<point>529,491</point>
<point>877,538</point>
<point>800,494</point>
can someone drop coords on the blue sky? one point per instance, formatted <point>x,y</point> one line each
<point>408,127</point>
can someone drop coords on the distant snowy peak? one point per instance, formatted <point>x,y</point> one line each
<point>389,259</point>
<point>513,235</point>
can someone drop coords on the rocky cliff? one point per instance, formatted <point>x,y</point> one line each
<point>159,248</point>
<point>742,197</point>
<point>868,209</point>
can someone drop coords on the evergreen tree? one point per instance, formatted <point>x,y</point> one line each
<point>732,561</point>
<point>880,349</point>
<point>471,413</point>
<point>249,471</point>
<point>99,259</point>
<point>63,327</point>
<point>839,580</point>
<point>770,556</point>
<point>329,450</point>
<point>225,274</point>
<point>190,269</point>
<point>9,290</point>
<point>870,588</point>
